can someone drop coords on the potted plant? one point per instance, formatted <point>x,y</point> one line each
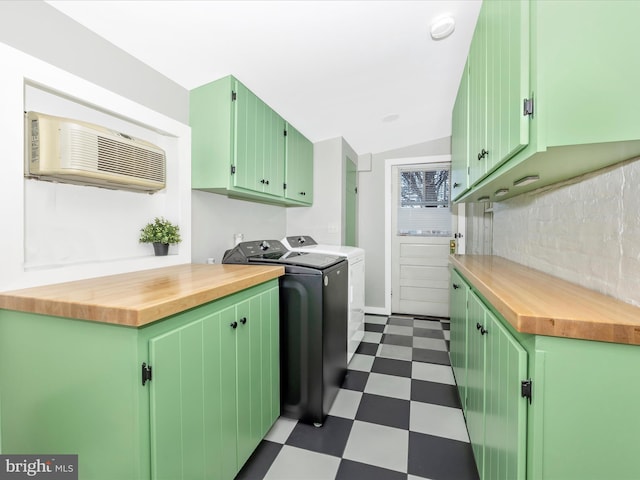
<point>161,233</point>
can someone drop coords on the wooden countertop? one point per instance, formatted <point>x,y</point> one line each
<point>138,298</point>
<point>538,303</point>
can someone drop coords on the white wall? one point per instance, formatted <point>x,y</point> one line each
<point>61,232</point>
<point>57,232</point>
<point>216,218</point>
<point>324,220</point>
<point>36,28</point>
<point>586,231</point>
<point>371,210</point>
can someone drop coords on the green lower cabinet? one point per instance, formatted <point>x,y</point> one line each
<point>476,379</point>
<point>213,397</point>
<point>505,410</point>
<point>494,366</point>
<point>458,343</point>
<point>75,387</point>
<point>581,422</point>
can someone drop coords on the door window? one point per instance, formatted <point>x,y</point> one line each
<point>424,203</point>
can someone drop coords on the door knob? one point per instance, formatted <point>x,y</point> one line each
<point>233,324</point>
<point>243,320</point>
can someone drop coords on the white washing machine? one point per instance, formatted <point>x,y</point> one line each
<point>355,259</point>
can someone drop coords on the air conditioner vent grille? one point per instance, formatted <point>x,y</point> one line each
<point>119,157</point>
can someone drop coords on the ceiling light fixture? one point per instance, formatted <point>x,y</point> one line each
<point>501,192</point>
<point>442,27</point>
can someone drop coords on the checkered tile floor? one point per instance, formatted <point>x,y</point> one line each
<point>397,415</point>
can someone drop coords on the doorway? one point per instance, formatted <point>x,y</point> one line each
<point>351,191</point>
<point>421,229</point>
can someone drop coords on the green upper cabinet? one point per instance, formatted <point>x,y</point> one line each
<point>258,158</point>
<point>478,99</point>
<point>298,167</point>
<point>560,100</point>
<point>460,138</point>
<point>497,73</point>
<point>240,145</point>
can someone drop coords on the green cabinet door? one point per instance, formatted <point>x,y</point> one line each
<point>507,78</point>
<point>496,412</point>
<point>193,400</point>
<point>298,167</point>
<point>476,378</point>
<point>257,376</point>
<point>458,343</point>
<point>460,138</point>
<point>498,83</point>
<point>215,390</point>
<point>505,409</point>
<point>478,99</point>
<point>259,145</point>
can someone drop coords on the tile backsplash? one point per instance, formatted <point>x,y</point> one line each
<point>586,230</point>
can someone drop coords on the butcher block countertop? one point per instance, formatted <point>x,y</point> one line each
<point>138,298</point>
<point>538,303</point>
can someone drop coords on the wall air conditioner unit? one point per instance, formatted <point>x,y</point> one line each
<point>70,151</point>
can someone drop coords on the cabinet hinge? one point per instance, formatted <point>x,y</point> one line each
<point>285,133</point>
<point>146,373</point>
<point>233,96</point>
<point>284,185</point>
<point>527,107</point>
<point>525,389</point>
<point>233,169</point>
<point>356,190</point>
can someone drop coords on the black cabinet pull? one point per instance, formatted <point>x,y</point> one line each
<point>243,320</point>
<point>456,286</point>
<point>456,185</point>
<point>233,324</point>
<point>267,182</point>
<point>264,182</point>
<point>483,331</point>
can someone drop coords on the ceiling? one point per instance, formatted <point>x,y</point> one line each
<point>364,70</point>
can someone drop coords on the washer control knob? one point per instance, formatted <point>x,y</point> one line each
<point>264,245</point>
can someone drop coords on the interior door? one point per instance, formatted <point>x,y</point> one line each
<point>422,230</point>
<point>351,190</point>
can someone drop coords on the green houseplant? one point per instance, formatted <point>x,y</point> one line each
<point>161,232</point>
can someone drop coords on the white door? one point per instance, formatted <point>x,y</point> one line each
<point>421,231</point>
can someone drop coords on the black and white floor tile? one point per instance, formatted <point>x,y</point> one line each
<point>397,415</point>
